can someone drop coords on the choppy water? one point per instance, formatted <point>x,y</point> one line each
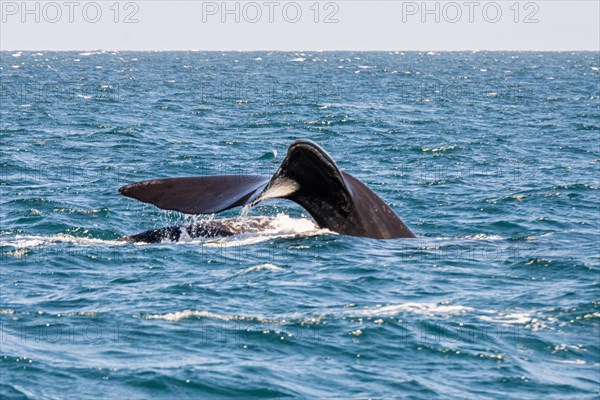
<point>492,159</point>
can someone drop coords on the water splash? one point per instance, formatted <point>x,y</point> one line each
<point>245,210</point>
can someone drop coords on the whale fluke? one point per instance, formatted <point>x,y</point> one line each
<point>308,176</point>
<point>197,194</point>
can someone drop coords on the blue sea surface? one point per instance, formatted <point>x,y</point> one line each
<point>491,158</point>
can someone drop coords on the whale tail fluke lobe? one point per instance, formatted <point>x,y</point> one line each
<point>308,176</point>
<point>198,195</point>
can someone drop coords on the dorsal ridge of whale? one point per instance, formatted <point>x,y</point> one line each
<point>308,176</point>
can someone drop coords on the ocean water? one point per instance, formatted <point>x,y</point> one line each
<point>491,158</point>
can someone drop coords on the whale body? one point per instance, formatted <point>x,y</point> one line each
<point>223,227</point>
<point>308,176</point>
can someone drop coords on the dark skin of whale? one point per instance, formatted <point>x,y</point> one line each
<point>308,176</point>
<point>204,229</point>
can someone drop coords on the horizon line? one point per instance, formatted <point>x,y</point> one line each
<point>310,50</point>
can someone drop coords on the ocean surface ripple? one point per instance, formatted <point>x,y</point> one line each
<point>492,159</point>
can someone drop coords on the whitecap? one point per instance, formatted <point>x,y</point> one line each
<point>20,253</point>
<point>592,315</point>
<point>82,314</point>
<point>185,314</point>
<point>508,318</point>
<point>436,149</point>
<point>577,362</point>
<point>261,267</point>
<point>28,241</point>
<point>429,309</point>
<point>300,318</point>
<point>482,236</point>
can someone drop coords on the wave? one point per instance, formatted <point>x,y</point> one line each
<point>482,236</point>
<point>515,317</point>
<point>261,267</point>
<point>429,309</point>
<point>30,241</point>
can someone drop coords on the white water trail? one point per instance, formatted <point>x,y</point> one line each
<point>30,241</point>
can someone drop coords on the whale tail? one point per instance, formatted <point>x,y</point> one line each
<point>198,194</point>
<point>308,176</point>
